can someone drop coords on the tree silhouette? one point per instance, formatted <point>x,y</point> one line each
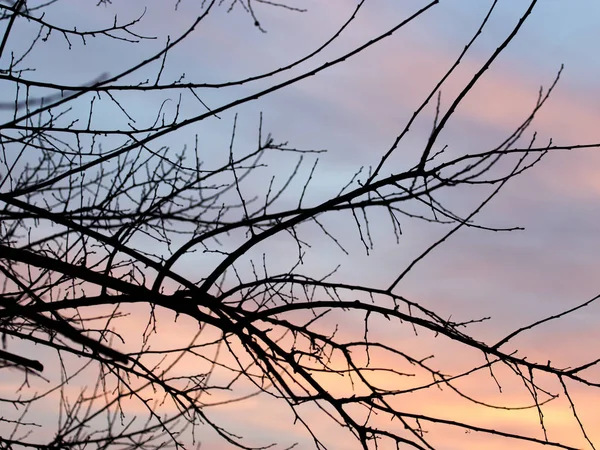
<point>114,243</point>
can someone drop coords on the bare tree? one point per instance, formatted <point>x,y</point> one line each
<point>113,239</point>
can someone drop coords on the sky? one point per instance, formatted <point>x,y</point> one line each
<point>355,110</point>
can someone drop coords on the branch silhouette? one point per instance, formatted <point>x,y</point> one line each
<point>153,277</point>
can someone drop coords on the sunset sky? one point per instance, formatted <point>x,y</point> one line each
<point>355,110</point>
